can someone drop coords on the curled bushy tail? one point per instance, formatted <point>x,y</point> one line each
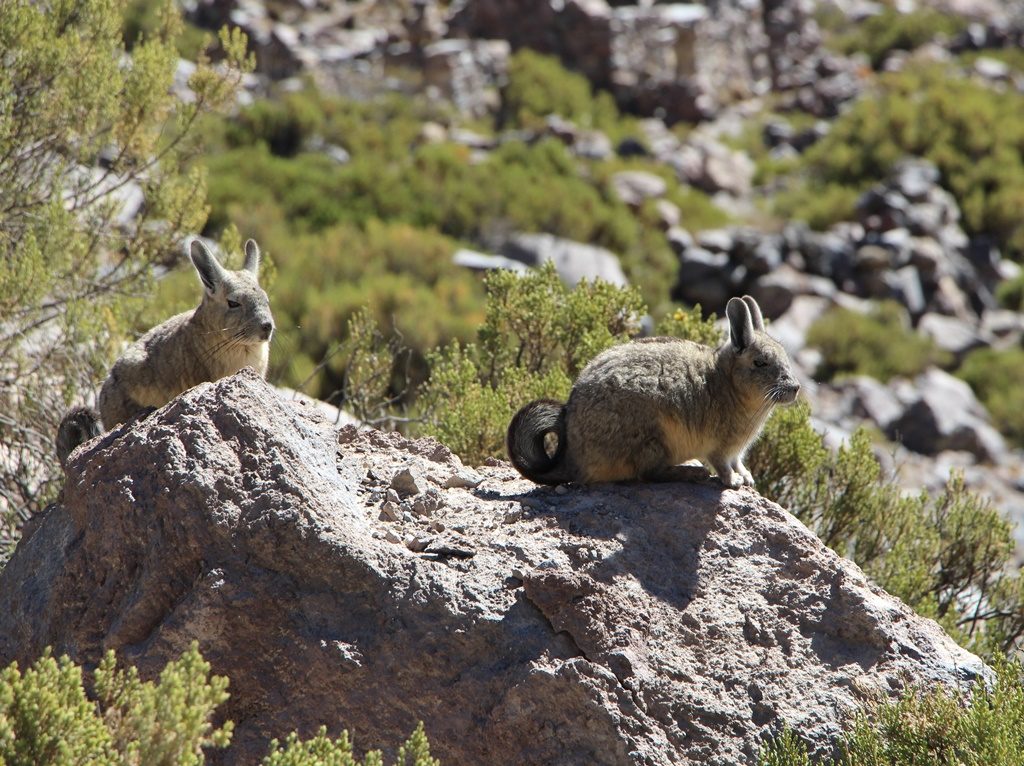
<point>525,442</point>
<point>78,426</point>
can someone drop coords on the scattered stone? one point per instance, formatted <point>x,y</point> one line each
<point>427,503</point>
<point>716,240</point>
<point>904,285</point>
<point>951,334</point>
<point>776,291</point>
<point>873,400</point>
<point>713,167</point>
<point>680,239</point>
<point>573,260</point>
<point>407,483</point>
<point>471,259</point>
<point>669,213</point>
<point>945,415</point>
<point>592,145</point>
<point>1006,327</point>
<point>634,187</point>
<point>914,178</point>
<point>416,543</point>
<point>992,69</point>
<point>791,328</point>
<point>465,478</point>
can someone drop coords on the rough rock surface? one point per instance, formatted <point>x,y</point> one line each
<point>620,624</point>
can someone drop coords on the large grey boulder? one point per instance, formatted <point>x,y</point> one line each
<point>362,580</point>
<point>943,414</point>
<point>776,290</point>
<point>956,336</point>
<point>574,261</point>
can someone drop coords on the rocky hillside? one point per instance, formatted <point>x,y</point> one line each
<point>357,578</point>
<point>828,157</point>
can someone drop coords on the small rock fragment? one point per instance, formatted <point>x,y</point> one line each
<point>416,543</point>
<point>464,478</point>
<point>407,483</point>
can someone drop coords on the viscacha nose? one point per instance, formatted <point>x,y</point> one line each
<point>268,329</point>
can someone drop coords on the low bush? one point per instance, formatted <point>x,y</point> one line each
<point>996,379</point>
<point>1010,293</point>
<point>819,205</point>
<point>48,719</point>
<point>983,726</point>
<point>880,344</point>
<point>518,187</point>
<point>946,556</point>
<point>971,132</point>
<point>879,35</point>
<point>321,750</point>
<point>539,86</point>
<point>536,337</point>
<point>145,18</point>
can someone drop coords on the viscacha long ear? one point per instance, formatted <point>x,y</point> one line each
<point>252,257</point>
<point>741,326</point>
<point>210,271</point>
<point>755,312</point>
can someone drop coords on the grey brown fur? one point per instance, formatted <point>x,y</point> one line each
<point>230,329</point>
<point>641,408</point>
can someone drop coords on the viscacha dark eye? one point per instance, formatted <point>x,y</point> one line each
<point>233,304</point>
<point>760,363</point>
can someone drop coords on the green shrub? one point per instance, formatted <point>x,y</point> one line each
<point>996,378</point>
<point>691,325</point>
<point>257,170</point>
<point>879,344</point>
<point>536,337</point>
<point>983,726</point>
<point>323,751</point>
<point>143,19</point>
<point>946,556</point>
<point>890,30</point>
<point>282,125</point>
<point>818,205</point>
<point>787,749</point>
<point>403,274</point>
<point>972,133</point>
<point>538,86</point>
<point>68,269</point>
<point>1010,293</point>
<point>46,719</point>
<point>518,187</point>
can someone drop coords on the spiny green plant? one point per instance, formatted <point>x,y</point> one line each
<point>880,344</point>
<point>46,718</point>
<point>946,556</point>
<point>321,750</point>
<point>536,336</point>
<point>995,376</point>
<point>879,35</point>
<point>982,726</point>
<point>787,749</point>
<point>539,86</point>
<point>970,131</point>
